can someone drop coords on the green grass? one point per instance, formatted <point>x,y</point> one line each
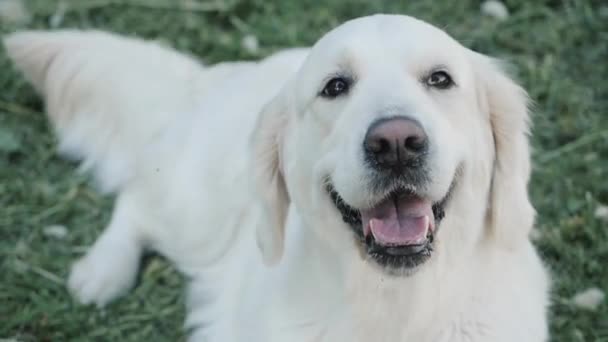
<point>559,50</point>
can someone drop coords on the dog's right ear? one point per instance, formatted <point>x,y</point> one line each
<point>269,175</point>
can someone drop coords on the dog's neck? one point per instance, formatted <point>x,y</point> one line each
<point>369,298</point>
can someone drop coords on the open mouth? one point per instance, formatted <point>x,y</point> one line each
<point>398,230</point>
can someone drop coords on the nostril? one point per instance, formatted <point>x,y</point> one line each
<point>378,146</point>
<point>415,143</point>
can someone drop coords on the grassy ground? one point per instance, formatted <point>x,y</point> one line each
<point>559,48</point>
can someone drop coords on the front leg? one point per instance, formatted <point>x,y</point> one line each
<point>110,267</point>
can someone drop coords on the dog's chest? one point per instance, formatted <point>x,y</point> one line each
<point>383,324</point>
<point>455,332</point>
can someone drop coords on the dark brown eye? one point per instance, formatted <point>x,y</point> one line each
<point>440,80</point>
<point>335,87</point>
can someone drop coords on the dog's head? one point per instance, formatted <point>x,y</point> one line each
<point>395,141</point>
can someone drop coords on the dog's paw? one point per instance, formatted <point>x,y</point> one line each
<point>105,273</point>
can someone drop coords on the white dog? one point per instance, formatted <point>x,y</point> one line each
<point>382,174</point>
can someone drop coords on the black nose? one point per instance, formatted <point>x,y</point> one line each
<point>395,144</point>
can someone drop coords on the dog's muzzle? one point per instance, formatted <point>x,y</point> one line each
<point>398,229</point>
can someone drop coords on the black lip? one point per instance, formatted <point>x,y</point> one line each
<point>391,258</point>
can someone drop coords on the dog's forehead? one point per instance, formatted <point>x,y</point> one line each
<point>382,32</point>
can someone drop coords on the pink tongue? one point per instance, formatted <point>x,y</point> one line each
<point>399,222</point>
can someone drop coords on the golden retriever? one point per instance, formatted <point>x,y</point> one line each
<point>370,188</point>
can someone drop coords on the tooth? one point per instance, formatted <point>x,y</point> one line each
<point>426,220</point>
<point>368,228</point>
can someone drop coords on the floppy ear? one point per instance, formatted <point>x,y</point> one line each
<point>269,180</point>
<point>511,215</point>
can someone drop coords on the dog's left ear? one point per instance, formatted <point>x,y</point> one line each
<point>268,172</point>
<point>511,214</point>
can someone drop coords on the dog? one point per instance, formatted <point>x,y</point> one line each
<point>372,187</point>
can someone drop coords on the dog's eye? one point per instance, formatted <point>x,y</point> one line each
<point>440,80</point>
<point>335,87</point>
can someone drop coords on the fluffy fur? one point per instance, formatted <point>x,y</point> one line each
<point>223,170</point>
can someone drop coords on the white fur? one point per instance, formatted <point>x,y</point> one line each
<point>208,160</point>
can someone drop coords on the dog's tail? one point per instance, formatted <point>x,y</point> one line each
<point>108,97</point>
